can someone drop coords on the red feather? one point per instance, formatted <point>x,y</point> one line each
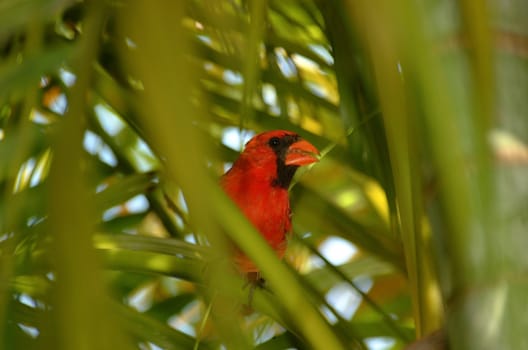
<point>258,183</point>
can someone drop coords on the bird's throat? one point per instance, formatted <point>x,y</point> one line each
<point>284,174</point>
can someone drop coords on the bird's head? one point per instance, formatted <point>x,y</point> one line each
<point>280,152</point>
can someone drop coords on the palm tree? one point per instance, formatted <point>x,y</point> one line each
<point>118,117</point>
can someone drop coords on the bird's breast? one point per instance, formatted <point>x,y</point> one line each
<point>270,213</point>
<point>267,207</point>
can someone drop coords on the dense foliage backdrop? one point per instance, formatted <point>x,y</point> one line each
<point>117,118</point>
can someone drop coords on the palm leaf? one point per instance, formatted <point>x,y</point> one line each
<point>116,119</point>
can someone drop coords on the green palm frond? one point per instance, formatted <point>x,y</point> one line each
<point>117,118</point>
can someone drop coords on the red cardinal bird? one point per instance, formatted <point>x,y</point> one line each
<point>258,183</point>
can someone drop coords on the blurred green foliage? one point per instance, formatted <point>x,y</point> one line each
<point>117,118</point>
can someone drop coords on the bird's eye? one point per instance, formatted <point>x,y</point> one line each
<point>274,142</point>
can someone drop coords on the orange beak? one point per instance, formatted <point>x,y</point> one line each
<point>301,153</point>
